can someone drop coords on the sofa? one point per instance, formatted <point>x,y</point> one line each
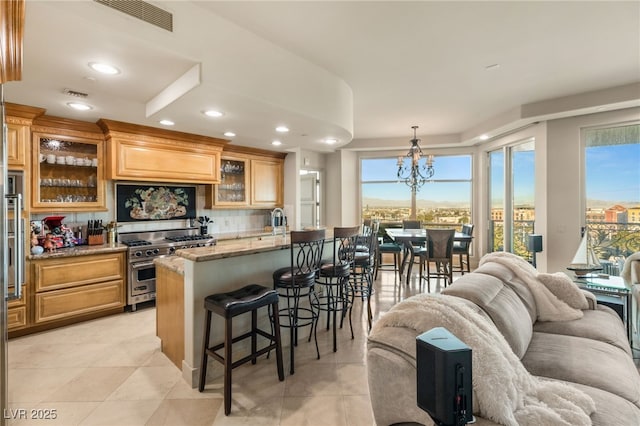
<point>582,360</point>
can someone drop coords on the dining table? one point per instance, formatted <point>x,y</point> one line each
<point>408,237</point>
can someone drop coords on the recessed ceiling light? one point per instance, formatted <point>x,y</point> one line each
<point>79,106</point>
<point>484,137</point>
<point>229,134</point>
<point>276,143</point>
<point>104,68</point>
<point>331,141</point>
<point>282,129</point>
<point>213,113</point>
<point>167,122</point>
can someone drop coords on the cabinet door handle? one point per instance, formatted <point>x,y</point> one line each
<point>17,256</point>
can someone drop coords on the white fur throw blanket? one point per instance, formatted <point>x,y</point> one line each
<point>549,306</point>
<point>626,269</point>
<point>505,391</point>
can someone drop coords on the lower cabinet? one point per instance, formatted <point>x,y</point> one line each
<point>17,311</point>
<point>74,287</point>
<point>62,304</point>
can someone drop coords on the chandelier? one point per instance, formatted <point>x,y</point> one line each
<point>415,174</point>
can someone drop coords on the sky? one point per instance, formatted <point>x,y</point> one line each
<point>613,175</point>
<point>447,168</point>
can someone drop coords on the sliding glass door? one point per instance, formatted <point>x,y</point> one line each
<point>511,197</point>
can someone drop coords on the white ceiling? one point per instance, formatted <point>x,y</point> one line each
<point>363,70</point>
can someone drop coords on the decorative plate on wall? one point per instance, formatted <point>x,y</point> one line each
<point>154,202</point>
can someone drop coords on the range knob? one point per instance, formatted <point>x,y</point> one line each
<point>149,252</point>
<point>137,254</point>
<point>172,250</point>
<point>156,251</point>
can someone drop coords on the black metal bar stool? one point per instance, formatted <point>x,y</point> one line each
<point>295,284</point>
<point>334,278</point>
<point>228,305</point>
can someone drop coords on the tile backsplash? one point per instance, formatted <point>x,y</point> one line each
<point>224,221</point>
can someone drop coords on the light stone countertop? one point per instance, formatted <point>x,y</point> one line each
<point>236,247</point>
<point>223,249</point>
<point>251,243</point>
<point>172,263</point>
<point>79,251</point>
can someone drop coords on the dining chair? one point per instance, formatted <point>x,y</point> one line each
<point>386,245</point>
<point>415,250</point>
<point>439,250</point>
<point>462,248</point>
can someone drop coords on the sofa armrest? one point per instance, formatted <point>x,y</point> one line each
<point>591,299</point>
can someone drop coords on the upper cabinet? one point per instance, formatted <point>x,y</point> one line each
<point>233,189</point>
<point>250,178</point>
<point>267,183</point>
<point>148,154</point>
<point>67,166</point>
<point>19,119</point>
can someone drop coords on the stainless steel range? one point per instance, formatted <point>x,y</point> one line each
<point>146,246</point>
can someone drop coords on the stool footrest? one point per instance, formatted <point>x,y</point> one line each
<point>211,351</point>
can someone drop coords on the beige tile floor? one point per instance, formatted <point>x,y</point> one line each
<point>110,371</point>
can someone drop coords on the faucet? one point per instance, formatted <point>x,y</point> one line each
<point>278,213</point>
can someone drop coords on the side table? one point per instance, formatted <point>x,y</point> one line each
<point>611,292</point>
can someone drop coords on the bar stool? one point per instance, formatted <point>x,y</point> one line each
<point>334,278</point>
<point>363,267</point>
<point>295,284</point>
<point>228,305</point>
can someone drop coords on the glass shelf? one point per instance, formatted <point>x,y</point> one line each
<point>67,175</point>
<point>232,189</point>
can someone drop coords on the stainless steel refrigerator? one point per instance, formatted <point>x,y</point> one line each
<point>12,257</point>
<point>12,34</point>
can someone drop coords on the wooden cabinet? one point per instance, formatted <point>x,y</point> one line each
<point>19,119</point>
<point>233,189</point>
<point>17,140</point>
<point>267,183</point>
<point>71,287</point>
<point>17,311</point>
<point>67,166</point>
<point>154,155</point>
<point>251,178</point>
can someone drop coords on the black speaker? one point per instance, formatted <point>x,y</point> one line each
<point>444,376</point>
<point>534,243</point>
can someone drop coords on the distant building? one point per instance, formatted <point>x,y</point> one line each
<point>633,214</point>
<point>595,215</point>
<point>524,214</point>
<point>615,214</point>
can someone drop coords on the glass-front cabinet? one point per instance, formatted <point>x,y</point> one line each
<point>67,173</point>
<point>234,182</point>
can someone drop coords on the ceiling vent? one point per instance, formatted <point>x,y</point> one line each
<point>142,10</point>
<point>74,93</point>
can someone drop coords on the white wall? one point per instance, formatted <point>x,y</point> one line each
<point>342,189</point>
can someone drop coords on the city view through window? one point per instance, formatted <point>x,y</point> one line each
<point>443,201</point>
<point>612,188</point>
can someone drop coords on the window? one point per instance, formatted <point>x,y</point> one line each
<point>612,188</point>
<point>442,201</point>
<point>511,189</point>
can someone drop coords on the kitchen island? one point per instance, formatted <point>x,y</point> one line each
<point>183,282</point>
